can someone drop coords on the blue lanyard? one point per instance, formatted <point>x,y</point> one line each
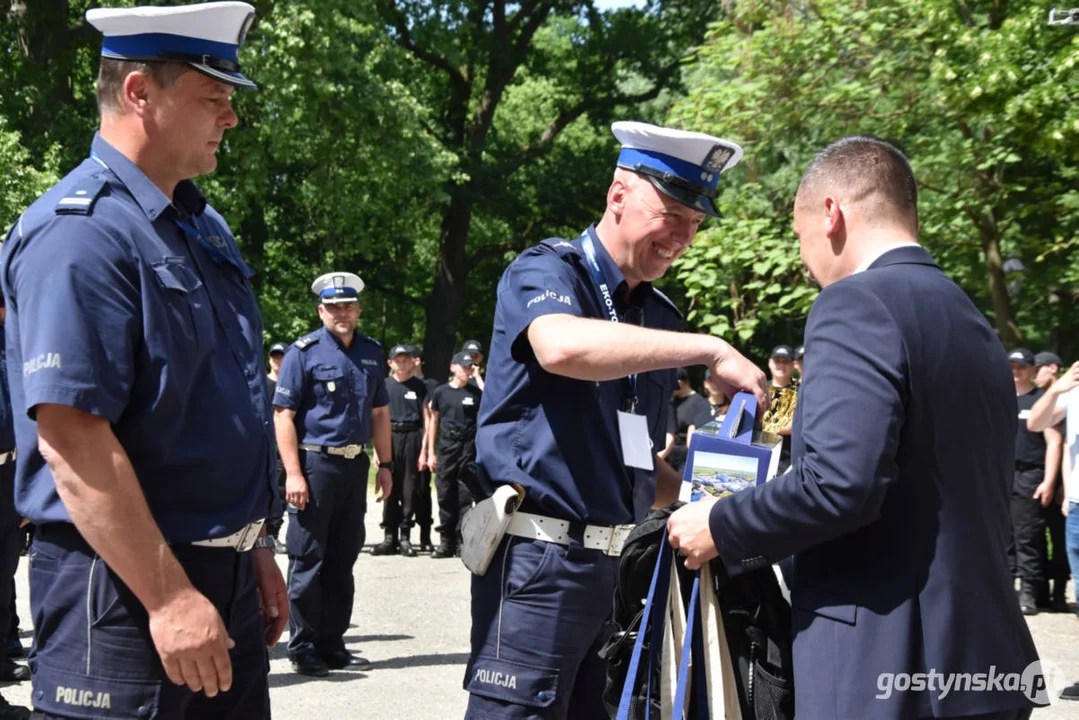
<point>607,301</point>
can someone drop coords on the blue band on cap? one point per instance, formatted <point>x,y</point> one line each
<point>338,292</point>
<point>668,163</point>
<point>149,45</point>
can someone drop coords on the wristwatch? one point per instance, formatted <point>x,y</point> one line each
<point>265,542</point>
<point>388,465</point>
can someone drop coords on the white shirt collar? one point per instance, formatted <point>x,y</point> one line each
<point>876,256</point>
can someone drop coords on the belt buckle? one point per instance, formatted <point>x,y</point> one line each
<point>351,451</point>
<point>619,533</point>
<point>248,535</point>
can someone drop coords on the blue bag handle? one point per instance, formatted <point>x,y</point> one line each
<point>693,644</point>
<point>660,586</point>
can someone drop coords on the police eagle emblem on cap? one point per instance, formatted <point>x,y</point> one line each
<point>338,281</point>
<point>717,159</point>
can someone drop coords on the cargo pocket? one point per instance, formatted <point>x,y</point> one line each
<point>187,301</point>
<point>513,682</point>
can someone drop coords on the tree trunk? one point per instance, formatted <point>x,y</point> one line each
<point>444,305</point>
<point>998,286</point>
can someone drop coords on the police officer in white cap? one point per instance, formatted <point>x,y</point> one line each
<point>330,406</point>
<point>143,425</point>
<point>581,368</point>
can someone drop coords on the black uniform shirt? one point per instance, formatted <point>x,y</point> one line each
<point>406,399</point>
<point>691,410</point>
<point>457,408</point>
<point>1029,446</point>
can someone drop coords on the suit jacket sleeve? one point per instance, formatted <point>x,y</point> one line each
<point>851,411</point>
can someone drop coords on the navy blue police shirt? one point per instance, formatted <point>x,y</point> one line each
<point>7,420</point>
<point>332,388</point>
<point>556,436</point>
<point>115,310</point>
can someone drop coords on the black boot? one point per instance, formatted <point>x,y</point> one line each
<point>425,539</point>
<point>405,547</point>
<point>445,549</point>
<point>387,546</point>
<point>1027,592</point>
<point>1060,600</point>
<point>1041,594</point>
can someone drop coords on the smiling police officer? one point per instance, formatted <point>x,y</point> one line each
<point>578,389</point>
<point>330,403</point>
<point>142,420</point>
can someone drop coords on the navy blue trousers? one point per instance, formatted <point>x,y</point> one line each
<point>10,542</point>
<point>324,540</point>
<point>538,618</point>
<point>93,656</point>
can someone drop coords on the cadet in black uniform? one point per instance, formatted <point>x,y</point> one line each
<point>475,351</point>
<point>718,402</point>
<point>273,525</point>
<point>423,508</point>
<point>1037,461</point>
<point>454,407</point>
<point>408,395</point>
<point>688,412</point>
<point>784,392</point>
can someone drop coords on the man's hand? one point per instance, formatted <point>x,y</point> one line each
<point>1044,493</point>
<point>432,461</point>
<point>421,464</point>
<point>1067,381</point>
<point>688,532</point>
<point>733,373</point>
<point>273,595</point>
<point>192,642</point>
<point>383,484</point>
<point>1064,509</point>
<point>296,491</point>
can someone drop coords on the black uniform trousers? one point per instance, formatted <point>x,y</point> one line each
<point>1056,567</point>
<point>93,655</point>
<point>1028,525</point>
<point>410,497</point>
<point>454,497</point>
<point>10,539</point>
<point>323,542</point>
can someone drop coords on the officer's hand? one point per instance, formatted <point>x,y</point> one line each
<point>296,491</point>
<point>1044,493</point>
<point>383,484</point>
<point>193,642</point>
<point>688,532</point>
<point>273,595</point>
<point>733,373</point>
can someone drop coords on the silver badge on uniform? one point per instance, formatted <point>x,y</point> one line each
<point>331,386</point>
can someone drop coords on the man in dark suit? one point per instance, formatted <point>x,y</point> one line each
<point>893,520</point>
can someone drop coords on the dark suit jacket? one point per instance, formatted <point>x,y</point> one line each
<point>895,508</point>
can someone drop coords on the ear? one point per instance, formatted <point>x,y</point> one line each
<point>135,95</point>
<point>617,195</point>
<point>835,226</point>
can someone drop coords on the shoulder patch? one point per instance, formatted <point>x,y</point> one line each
<point>306,341</point>
<point>80,199</point>
<point>666,301</point>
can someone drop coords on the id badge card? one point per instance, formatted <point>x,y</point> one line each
<point>636,445</point>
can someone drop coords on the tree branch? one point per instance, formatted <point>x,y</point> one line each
<point>393,15</point>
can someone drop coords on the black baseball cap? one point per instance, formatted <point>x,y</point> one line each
<point>417,351</point>
<point>472,346</point>
<point>783,351</point>
<point>1021,356</point>
<point>799,352</point>
<point>278,348</point>
<point>1048,358</point>
<point>399,350</point>
<point>463,358</point>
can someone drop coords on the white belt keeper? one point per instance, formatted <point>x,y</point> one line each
<point>241,541</point>
<point>606,539</point>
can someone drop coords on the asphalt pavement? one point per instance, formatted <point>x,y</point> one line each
<point>411,619</point>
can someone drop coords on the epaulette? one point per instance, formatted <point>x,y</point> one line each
<point>370,339</point>
<point>562,246</point>
<point>80,198</point>
<point>667,301</point>
<point>306,341</point>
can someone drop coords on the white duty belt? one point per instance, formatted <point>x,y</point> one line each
<point>8,457</point>
<point>348,452</point>
<point>241,541</point>
<point>608,540</point>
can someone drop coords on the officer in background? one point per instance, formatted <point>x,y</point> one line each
<point>273,525</point>
<point>784,391</point>
<point>330,403</point>
<point>582,370</point>
<point>688,412</point>
<point>1056,567</point>
<point>799,357</point>
<point>143,426</point>
<point>454,408</point>
<point>408,395</point>
<point>424,506</point>
<point>9,527</point>
<point>475,351</point>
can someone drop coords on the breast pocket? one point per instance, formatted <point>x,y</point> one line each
<point>330,387</point>
<point>188,304</point>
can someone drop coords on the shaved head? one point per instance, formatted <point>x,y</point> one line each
<point>865,171</point>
